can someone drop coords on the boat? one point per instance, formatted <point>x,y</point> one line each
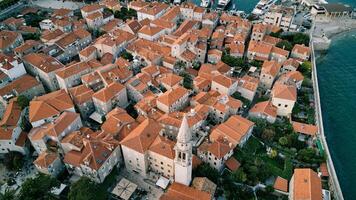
<point>205,3</point>
<point>222,4</point>
<point>263,6</point>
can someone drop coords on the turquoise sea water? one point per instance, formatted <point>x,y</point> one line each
<point>244,5</point>
<point>337,81</point>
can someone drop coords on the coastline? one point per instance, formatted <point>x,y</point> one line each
<point>333,181</point>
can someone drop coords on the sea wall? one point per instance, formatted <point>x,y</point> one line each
<point>333,180</point>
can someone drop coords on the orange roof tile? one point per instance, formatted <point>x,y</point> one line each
<point>141,138</point>
<point>306,184</point>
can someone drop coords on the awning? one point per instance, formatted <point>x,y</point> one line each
<point>162,182</point>
<point>124,189</point>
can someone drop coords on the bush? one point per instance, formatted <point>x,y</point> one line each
<point>83,189</point>
<point>127,56</point>
<point>38,187</point>
<point>232,61</point>
<point>204,170</point>
<point>306,68</point>
<point>284,44</point>
<point>23,101</point>
<point>13,160</point>
<point>125,14</point>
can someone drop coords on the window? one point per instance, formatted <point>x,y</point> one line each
<point>285,106</point>
<point>279,105</point>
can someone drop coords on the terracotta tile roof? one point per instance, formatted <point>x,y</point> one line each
<point>280,51</point>
<point>260,47</point>
<point>179,191</point>
<point>119,124</point>
<point>21,140</point>
<point>281,184</point>
<point>75,138</point>
<point>271,40</point>
<point>232,164</point>
<point>62,12</point>
<point>233,129</point>
<point>205,185</point>
<point>154,8</point>
<point>307,129</point>
<point>73,70</point>
<point>50,35</point>
<point>106,94</point>
<point>301,49</point>
<point>264,107</point>
<point>20,85</point>
<point>249,83</point>
<point>291,77</point>
<point>323,168</point>
<point>111,25</point>
<point>12,114</point>
<point>163,146</point>
<point>54,129</point>
<point>81,94</point>
<point>138,4</point>
<point>6,133</point>
<point>14,21</point>
<point>94,15</point>
<point>219,148</point>
<point>150,30</point>
<point>94,153</point>
<point>224,81</point>
<point>283,91</point>
<point>170,79</point>
<point>92,7</point>
<point>271,68</point>
<point>49,105</point>
<point>43,62</point>
<point>306,184</point>
<point>141,138</point>
<point>45,159</point>
<point>172,96</point>
<point>7,38</point>
<point>291,61</point>
<point>163,23</point>
<point>29,44</point>
<point>88,51</point>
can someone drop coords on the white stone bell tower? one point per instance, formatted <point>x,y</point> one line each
<point>183,158</point>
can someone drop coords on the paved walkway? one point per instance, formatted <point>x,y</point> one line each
<point>154,192</point>
<point>57,4</point>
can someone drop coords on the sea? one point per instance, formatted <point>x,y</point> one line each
<point>337,81</point>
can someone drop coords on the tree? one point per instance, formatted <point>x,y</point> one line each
<point>309,155</point>
<point>306,68</point>
<point>268,134</point>
<point>187,80</point>
<point>125,14</point>
<point>240,176</point>
<point>23,101</point>
<point>126,55</point>
<point>38,188</point>
<point>283,141</point>
<point>8,194</point>
<point>256,63</point>
<point>83,189</point>
<point>204,170</point>
<point>13,160</point>
<point>232,61</point>
<point>284,44</point>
